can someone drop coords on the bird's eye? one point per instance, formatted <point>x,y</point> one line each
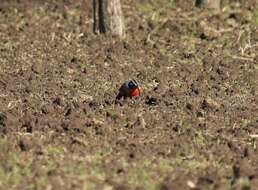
<point>131,84</point>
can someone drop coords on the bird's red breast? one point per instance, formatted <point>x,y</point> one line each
<point>134,92</point>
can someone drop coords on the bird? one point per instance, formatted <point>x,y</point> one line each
<point>129,88</point>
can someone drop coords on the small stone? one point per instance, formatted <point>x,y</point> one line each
<point>46,109</point>
<point>152,101</point>
<point>191,184</point>
<point>2,119</point>
<point>57,101</point>
<point>74,60</point>
<point>37,68</point>
<point>25,144</point>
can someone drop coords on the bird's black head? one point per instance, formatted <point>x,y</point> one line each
<point>132,84</point>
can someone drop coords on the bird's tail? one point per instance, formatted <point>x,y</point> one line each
<point>119,96</point>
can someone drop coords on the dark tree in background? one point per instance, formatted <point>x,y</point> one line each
<point>115,14</point>
<point>198,3</point>
<point>98,16</point>
<point>209,4</point>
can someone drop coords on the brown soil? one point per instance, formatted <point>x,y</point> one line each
<point>193,127</point>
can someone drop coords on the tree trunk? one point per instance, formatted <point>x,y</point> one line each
<point>117,26</point>
<point>213,4</point>
<point>209,4</point>
<point>98,17</point>
<point>94,5</point>
<point>102,28</point>
<point>198,3</point>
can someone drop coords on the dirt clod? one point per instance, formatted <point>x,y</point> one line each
<point>2,119</point>
<point>194,126</point>
<point>152,101</point>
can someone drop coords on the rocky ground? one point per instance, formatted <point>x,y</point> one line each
<point>61,129</point>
